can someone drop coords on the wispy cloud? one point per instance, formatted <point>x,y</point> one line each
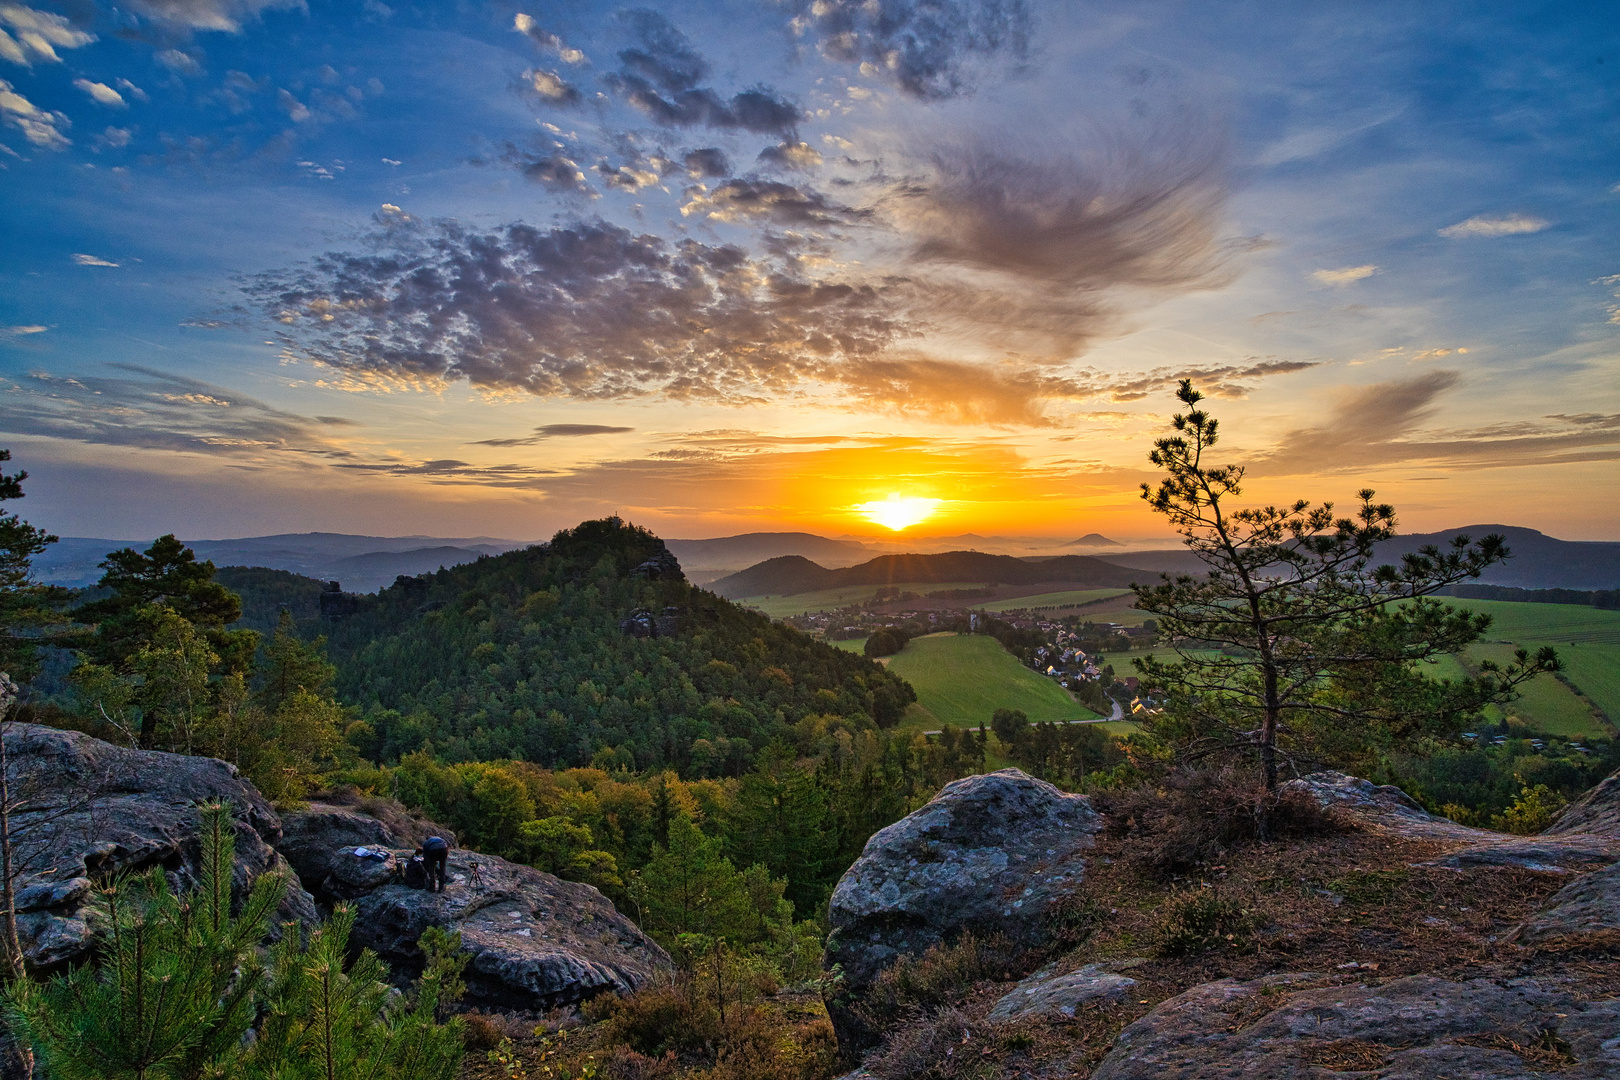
<point>1345,275</point>
<point>545,39</point>
<point>1485,225</point>
<point>92,260</point>
<point>557,431</point>
<point>141,407</point>
<point>15,332</point>
<point>1384,424</point>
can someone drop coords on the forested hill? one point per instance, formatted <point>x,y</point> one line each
<point>791,574</point>
<point>522,655</point>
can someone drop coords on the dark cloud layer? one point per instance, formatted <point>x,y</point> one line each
<point>770,201</point>
<point>661,76</point>
<point>930,49</point>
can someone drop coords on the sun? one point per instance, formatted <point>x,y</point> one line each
<point>898,512</point>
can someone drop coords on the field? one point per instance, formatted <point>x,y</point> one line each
<point>1070,598</point>
<point>961,679</point>
<point>782,607</point>
<point>1587,640</point>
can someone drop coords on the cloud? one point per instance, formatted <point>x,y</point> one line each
<point>1383,424</point>
<point>661,75</point>
<point>525,25</point>
<point>296,110</point>
<point>181,63</point>
<point>117,136</point>
<point>1039,249</point>
<point>555,171</point>
<point>768,200</point>
<point>11,332</point>
<point>557,431</point>
<point>1345,275</point>
<point>1486,225</point>
<point>552,87</point>
<point>220,15</point>
<point>590,311</point>
<point>930,49</point>
<point>155,410</point>
<point>36,35</point>
<point>625,177</point>
<point>132,90</point>
<point>92,260</point>
<point>790,155</point>
<point>40,127</point>
<point>705,163</point>
<point>102,93</point>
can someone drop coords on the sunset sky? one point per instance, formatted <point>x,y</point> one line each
<point>492,268</point>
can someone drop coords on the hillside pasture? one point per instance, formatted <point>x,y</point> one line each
<point>961,679</point>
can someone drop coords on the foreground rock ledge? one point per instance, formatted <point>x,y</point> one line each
<point>536,941</point>
<point>1418,1028</point>
<point>92,810</point>
<point>990,853</point>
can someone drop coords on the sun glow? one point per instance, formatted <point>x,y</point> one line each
<point>898,512</point>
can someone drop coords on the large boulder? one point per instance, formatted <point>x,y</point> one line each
<point>991,854</point>
<point>85,810</point>
<point>311,835</point>
<point>535,941</point>
<point>1417,1028</point>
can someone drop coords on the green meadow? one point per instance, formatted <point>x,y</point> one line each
<point>961,679</point>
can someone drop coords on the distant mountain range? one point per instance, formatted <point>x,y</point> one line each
<point>782,563</point>
<point>1539,561</point>
<point>790,574</point>
<point>737,552</point>
<point>361,563</point>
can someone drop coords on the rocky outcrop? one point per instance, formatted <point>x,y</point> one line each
<point>1597,812</point>
<point>311,835</point>
<point>1587,836</point>
<point>89,810</point>
<point>536,941</point>
<point>1418,1028</point>
<point>1047,994</point>
<point>1587,906</point>
<point>989,853</point>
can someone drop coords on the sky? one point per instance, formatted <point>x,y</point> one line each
<point>476,268</point>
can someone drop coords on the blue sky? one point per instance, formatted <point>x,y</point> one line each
<point>492,268</point>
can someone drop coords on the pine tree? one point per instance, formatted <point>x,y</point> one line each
<point>25,605</point>
<point>1293,642</point>
<point>172,989</point>
<point>331,1019</point>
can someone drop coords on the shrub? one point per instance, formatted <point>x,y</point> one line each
<point>1193,817</point>
<point>1197,922</point>
<point>1532,811</point>
<point>658,1019</point>
<point>941,975</point>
